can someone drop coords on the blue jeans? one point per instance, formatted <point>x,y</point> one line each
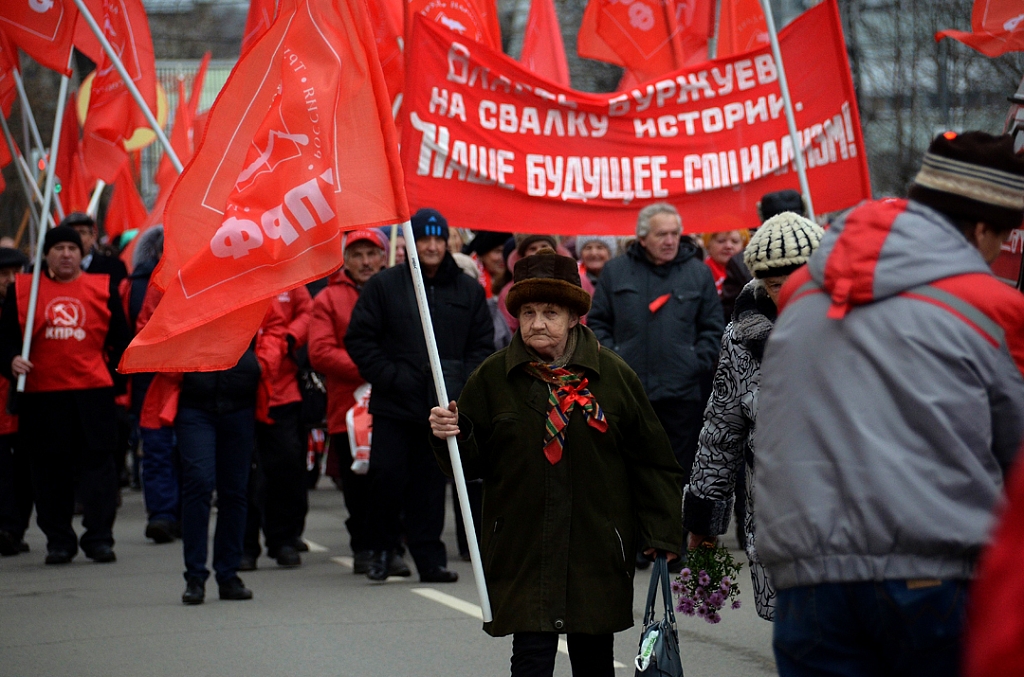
<point>216,452</point>
<point>898,628</point>
<point>160,474</point>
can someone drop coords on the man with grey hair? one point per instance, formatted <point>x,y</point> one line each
<point>657,307</point>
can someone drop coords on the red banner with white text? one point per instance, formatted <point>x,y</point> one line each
<point>492,146</point>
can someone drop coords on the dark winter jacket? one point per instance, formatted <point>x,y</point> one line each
<point>385,338</point>
<point>222,392</point>
<point>671,348</point>
<point>559,541</point>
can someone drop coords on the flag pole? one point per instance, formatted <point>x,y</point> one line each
<point>94,201</point>
<point>442,396</point>
<point>33,297</point>
<point>393,247</point>
<point>794,135</point>
<point>713,42</point>
<point>29,116</point>
<point>20,169</point>
<point>116,61</point>
<point>35,187</point>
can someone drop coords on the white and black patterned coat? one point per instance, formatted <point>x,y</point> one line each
<point>727,438</point>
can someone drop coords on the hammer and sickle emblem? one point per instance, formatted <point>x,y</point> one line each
<point>40,6</point>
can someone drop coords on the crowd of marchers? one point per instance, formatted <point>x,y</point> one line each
<point>597,384</point>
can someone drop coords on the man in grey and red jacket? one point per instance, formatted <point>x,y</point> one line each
<point>891,406</point>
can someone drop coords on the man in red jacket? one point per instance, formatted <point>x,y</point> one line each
<point>277,488</point>
<point>364,257</point>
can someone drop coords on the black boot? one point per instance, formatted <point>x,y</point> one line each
<point>380,566</point>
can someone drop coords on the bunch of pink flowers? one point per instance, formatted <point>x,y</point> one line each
<point>706,593</point>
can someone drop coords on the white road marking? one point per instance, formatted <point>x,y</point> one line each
<point>473,610</point>
<point>315,547</point>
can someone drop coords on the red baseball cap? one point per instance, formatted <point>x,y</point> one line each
<point>363,235</point>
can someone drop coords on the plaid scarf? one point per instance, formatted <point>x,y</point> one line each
<point>566,388</point>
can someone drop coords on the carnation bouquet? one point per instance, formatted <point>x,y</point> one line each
<point>707,583</point>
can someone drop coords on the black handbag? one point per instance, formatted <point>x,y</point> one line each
<point>658,655</point>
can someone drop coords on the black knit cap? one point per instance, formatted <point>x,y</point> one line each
<point>12,258</point>
<point>547,277</point>
<point>781,201</point>
<point>429,222</point>
<point>973,176</point>
<point>61,234</point>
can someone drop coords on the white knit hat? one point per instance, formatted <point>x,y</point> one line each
<point>610,242</point>
<point>782,244</point>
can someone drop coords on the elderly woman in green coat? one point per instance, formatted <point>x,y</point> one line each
<point>577,473</point>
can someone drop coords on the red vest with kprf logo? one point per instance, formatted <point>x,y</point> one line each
<point>69,332</point>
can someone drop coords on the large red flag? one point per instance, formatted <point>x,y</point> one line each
<point>113,115</point>
<point>126,211</point>
<point>181,142</point>
<point>472,19</point>
<point>649,37</point>
<point>261,16</point>
<point>741,28</point>
<point>301,146</point>
<point>543,49</point>
<point>43,29</point>
<point>997,27</point>
<point>387,20</point>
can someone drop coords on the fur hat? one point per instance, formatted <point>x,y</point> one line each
<point>524,240</point>
<point>782,244</point>
<point>547,277</point>
<point>61,234</point>
<point>781,201</point>
<point>610,242</point>
<point>12,258</point>
<point>427,222</point>
<point>973,176</point>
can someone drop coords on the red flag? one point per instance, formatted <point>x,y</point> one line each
<point>126,210</point>
<point>198,80</point>
<point>113,115</point>
<point>543,50</point>
<point>301,146</point>
<point>741,28</point>
<point>78,185</point>
<point>650,37</point>
<point>260,17</point>
<point>69,143</point>
<point>386,18</point>
<point>43,29</point>
<point>8,63</point>
<point>997,27</point>
<point>181,142</point>
<point>472,19</point>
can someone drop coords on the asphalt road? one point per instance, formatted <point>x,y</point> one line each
<point>126,618</point>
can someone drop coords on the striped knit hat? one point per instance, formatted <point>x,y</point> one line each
<point>782,244</point>
<point>973,176</point>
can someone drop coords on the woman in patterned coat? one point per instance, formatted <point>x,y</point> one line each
<point>780,246</point>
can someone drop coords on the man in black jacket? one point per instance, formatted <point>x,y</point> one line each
<point>386,342</point>
<point>657,307</point>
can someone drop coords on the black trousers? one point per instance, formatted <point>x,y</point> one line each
<point>278,498</point>
<point>406,490</point>
<point>53,428</point>
<point>356,489</point>
<point>15,487</point>
<point>533,654</point>
<point>682,420</point>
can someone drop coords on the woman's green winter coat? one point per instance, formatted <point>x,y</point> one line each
<point>559,541</point>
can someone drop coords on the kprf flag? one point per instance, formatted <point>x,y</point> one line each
<point>43,29</point>
<point>649,37</point>
<point>257,22</point>
<point>709,139</point>
<point>543,49</point>
<point>113,115</point>
<point>997,27</point>
<point>300,147</point>
<point>741,27</point>
<point>475,20</point>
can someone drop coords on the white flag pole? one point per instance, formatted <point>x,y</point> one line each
<point>18,163</point>
<point>798,153</point>
<point>33,297</point>
<point>94,201</point>
<point>442,396</point>
<point>116,61</point>
<point>29,116</point>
